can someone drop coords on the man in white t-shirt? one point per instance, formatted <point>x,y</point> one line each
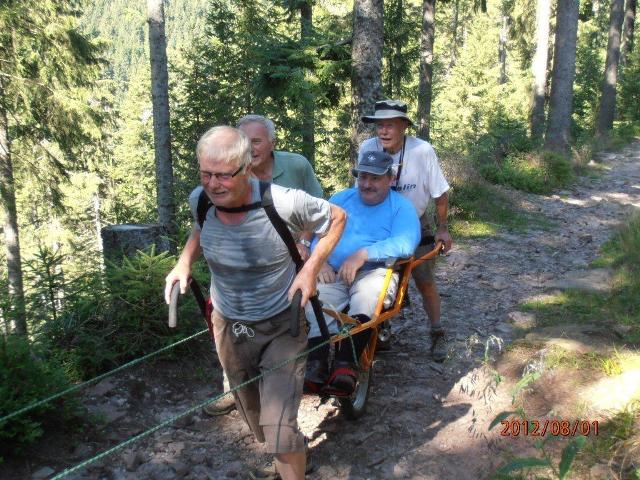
<point>419,178</point>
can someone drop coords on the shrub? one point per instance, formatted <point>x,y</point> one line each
<point>530,173</point>
<point>505,137</point>
<point>26,375</point>
<point>122,318</point>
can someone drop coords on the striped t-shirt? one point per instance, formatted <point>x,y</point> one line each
<point>251,268</point>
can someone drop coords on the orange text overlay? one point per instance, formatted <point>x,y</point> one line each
<point>540,428</point>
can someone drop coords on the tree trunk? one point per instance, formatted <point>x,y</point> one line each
<point>425,89</point>
<point>502,50</point>
<point>12,239</point>
<point>366,58</point>
<point>308,101</point>
<point>455,20</point>
<point>562,77</point>
<point>395,74</point>
<point>161,129</point>
<point>627,30</point>
<point>539,69</point>
<point>607,107</point>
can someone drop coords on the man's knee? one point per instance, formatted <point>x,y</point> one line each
<point>428,288</point>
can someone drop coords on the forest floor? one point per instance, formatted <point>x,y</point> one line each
<point>424,420</point>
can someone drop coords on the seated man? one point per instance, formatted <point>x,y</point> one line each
<point>381,224</point>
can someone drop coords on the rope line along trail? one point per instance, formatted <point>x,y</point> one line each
<point>344,331</point>
<point>98,378</point>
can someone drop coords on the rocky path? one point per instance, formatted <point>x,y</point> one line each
<point>424,420</point>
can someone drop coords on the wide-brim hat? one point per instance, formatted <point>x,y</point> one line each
<point>374,162</point>
<point>386,109</point>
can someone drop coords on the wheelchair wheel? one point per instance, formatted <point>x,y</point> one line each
<point>354,406</point>
<point>384,338</point>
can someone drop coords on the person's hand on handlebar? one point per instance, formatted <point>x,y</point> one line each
<point>304,281</point>
<point>444,235</point>
<point>180,273</point>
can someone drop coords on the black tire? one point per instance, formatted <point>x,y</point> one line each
<point>354,406</point>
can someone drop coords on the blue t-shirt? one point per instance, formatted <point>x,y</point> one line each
<point>389,229</point>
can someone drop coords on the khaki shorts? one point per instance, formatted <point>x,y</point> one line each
<point>423,273</point>
<point>269,405</point>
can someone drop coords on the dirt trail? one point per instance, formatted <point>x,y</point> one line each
<point>424,420</point>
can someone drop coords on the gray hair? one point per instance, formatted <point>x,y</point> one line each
<point>264,121</point>
<point>237,152</point>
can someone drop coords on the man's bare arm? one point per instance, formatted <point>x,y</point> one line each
<point>442,232</point>
<point>306,278</point>
<point>182,270</point>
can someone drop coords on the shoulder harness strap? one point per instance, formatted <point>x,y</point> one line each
<point>204,204</point>
<point>279,224</point>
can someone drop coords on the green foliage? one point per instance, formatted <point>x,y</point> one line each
<point>470,102</point>
<point>44,273</point>
<point>618,437</point>
<point>530,173</point>
<point>26,376</point>
<point>401,50</point>
<point>629,93</point>
<point>110,323</point>
<point>505,137</point>
<point>45,88</point>
<point>591,45</point>
<point>480,209</point>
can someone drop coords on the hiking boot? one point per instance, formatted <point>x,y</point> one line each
<point>438,345</point>
<point>268,470</point>
<point>222,406</point>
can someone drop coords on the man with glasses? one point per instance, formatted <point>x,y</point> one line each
<point>253,279</point>
<point>281,168</point>
<point>419,178</point>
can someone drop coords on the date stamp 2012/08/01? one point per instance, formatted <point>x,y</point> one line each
<point>540,428</point>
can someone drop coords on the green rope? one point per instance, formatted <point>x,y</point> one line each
<point>99,377</point>
<point>344,331</point>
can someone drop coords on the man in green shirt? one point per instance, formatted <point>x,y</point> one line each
<point>281,168</point>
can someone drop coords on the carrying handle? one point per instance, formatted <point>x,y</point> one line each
<point>173,305</point>
<point>173,301</point>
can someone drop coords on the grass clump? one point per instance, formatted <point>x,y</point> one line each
<point>530,172</point>
<point>618,443</point>
<point>619,307</point>
<point>480,209</point>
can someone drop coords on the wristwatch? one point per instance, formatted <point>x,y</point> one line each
<point>305,242</point>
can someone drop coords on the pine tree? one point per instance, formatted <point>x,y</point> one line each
<point>427,38</point>
<point>539,68</point>
<point>564,70</point>
<point>161,129</point>
<point>45,63</point>
<point>366,56</point>
<point>628,29</point>
<point>606,109</point>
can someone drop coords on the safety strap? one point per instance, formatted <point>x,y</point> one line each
<point>204,204</point>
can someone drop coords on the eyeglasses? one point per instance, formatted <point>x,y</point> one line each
<point>221,177</point>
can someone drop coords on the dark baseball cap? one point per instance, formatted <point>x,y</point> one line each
<point>377,163</point>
